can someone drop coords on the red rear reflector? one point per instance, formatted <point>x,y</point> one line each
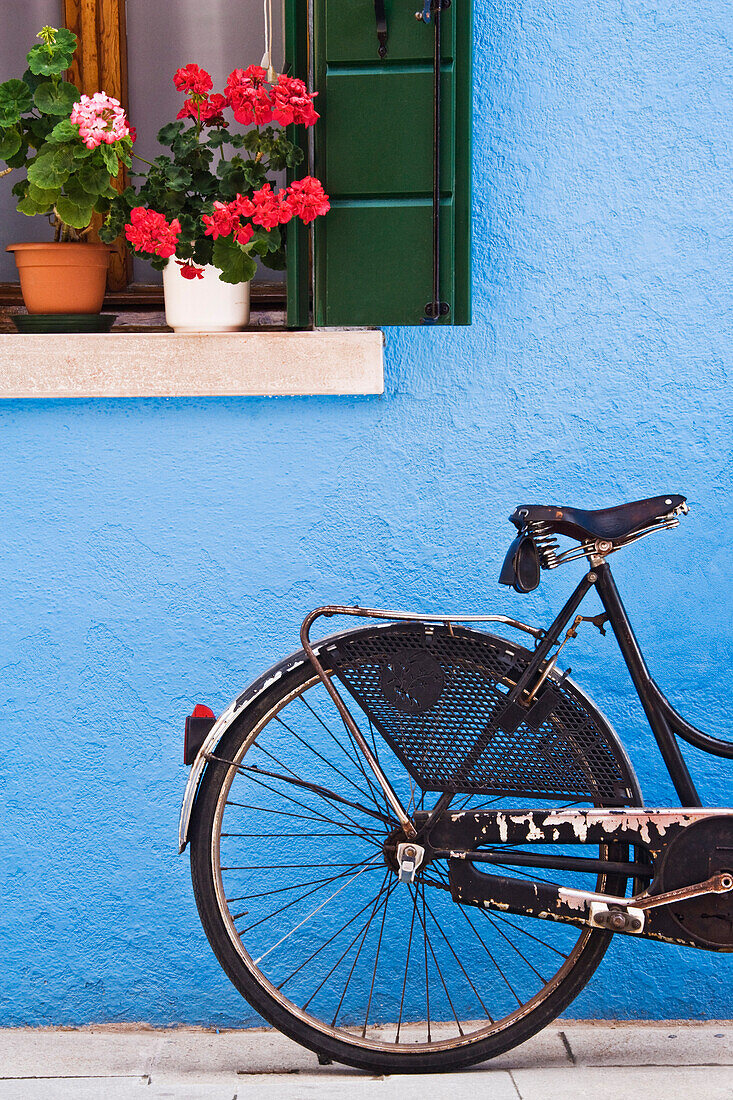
<point>198,725</point>
<point>200,711</point>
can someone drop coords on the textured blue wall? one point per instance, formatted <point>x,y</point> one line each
<point>159,552</point>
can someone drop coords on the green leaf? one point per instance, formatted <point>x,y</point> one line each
<point>203,251</point>
<point>276,261</point>
<point>114,223</point>
<point>74,215</point>
<point>54,59</point>
<point>65,131</point>
<point>94,178</point>
<point>187,145</point>
<point>168,134</point>
<point>110,158</point>
<point>217,138</point>
<point>56,99</point>
<point>178,179</point>
<point>20,158</point>
<point>40,128</point>
<point>30,208</point>
<point>264,240</point>
<point>51,167</point>
<point>235,265</point>
<point>10,143</point>
<point>31,80</point>
<point>65,39</point>
<point>15,100</point>
<point>44,198</point>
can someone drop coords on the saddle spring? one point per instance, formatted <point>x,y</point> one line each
<point>545,542</point>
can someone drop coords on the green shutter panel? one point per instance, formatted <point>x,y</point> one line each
<point>373,253</point>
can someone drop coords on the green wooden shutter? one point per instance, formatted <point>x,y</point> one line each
<point>373,253</point>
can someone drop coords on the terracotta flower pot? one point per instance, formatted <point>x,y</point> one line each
<point>67,277</point>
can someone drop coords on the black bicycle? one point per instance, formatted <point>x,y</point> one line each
<point>411,843</point>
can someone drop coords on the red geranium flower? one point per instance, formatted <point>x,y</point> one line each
<point>189,269</point>
<point>149,231</point>
<point>205,109</point>
<point>193,79</point>
<point>307,199</point>
<point>270,209</point>
<point>243,234</point>
<point>248,96</point>
<point>221,222</point>
<point>293,103</point>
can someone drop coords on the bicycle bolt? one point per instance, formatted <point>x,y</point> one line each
<point>617,921</point>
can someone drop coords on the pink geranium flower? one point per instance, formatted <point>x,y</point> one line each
<point>100,119</point>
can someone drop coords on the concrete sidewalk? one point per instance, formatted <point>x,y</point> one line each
<point>599,1060</point>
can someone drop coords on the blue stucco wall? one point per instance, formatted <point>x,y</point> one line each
<point>158,552</point>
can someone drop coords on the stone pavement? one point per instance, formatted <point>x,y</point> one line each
<point>598,1061</point>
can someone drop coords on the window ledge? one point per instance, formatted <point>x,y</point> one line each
<point>164,364</point>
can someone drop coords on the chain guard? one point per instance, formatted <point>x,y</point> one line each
<point>693,855</point>
<point>685,847</point>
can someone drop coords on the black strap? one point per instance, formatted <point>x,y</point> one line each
<point>381,17</point>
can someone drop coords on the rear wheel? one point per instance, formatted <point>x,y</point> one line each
<point>294,876</point>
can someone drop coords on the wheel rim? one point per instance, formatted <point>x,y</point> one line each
<point>319,921</point>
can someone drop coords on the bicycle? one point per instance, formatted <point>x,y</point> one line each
<point>426,876</point>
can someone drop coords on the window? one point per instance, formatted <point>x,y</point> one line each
<point>130,49</point>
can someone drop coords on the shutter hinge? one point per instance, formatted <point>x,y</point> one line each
<point>382,32</point>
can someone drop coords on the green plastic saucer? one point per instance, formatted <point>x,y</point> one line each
<point>63,322</point>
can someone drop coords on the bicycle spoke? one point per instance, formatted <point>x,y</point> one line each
<point>376,964</point>
<point>510,987</point>
<point>524,932</point>
<point>326,943</point>
<point>427,978</point>
<point>320,756</point>
<point>407,967</point>
<point>296,802</point>
<point>356,957</point>
<point>463,969</point>
<point>311,915</point>
<point>428,941</point>
<point>315,788</point>
<point>357,753</point>
<point>293,901</point>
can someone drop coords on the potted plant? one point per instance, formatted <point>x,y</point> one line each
<point>68,147</point>
<point>204,212</point>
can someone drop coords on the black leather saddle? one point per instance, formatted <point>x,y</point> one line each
<point>604,523</point>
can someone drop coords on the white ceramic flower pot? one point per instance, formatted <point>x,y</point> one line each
<point>203,305</point>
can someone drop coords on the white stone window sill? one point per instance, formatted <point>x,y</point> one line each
<point>164,364</point>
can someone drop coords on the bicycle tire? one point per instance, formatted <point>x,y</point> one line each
<point>342,1043</point>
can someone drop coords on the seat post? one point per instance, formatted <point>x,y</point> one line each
<point>641,678</point>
